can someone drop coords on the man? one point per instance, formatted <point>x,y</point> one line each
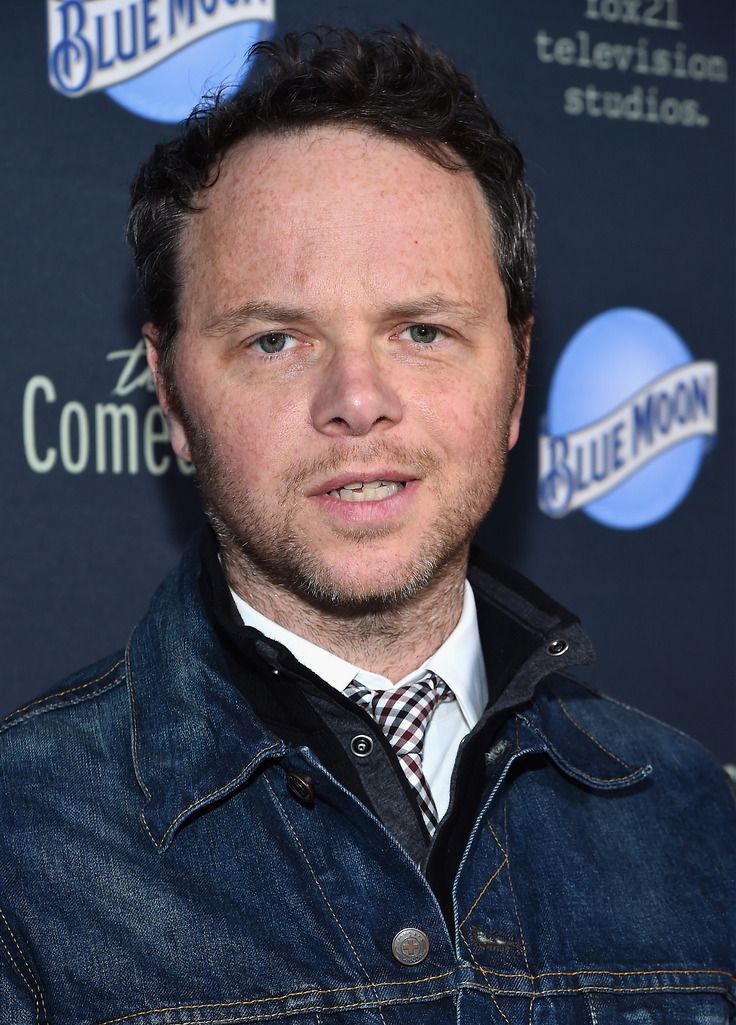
<point>330,780</point>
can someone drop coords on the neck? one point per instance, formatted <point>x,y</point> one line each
<point>391,642</point>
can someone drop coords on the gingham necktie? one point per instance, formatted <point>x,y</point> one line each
<point>403,713</point>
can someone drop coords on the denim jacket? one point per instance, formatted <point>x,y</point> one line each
<point>165,860</point>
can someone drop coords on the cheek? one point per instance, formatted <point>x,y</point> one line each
<point>469,422</point>
<point>255,437</point>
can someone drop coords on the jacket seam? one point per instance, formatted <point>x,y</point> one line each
<point>488,883</point>
<point>498,1008</point>
<point>32,986</point>
<point>281,1015</point>
<point>378,1003</point>
<point>217,792</point>
<point>568,715</point>
<point>632,776</point>
<point>281,996</point>
<point>613,974</point>
<point>461,926</point>
<point>591,1010</point>
<point>49,702</point>
<point>513,898</point>
<point>603,988</point>
<point>322,892</point>
<point>657,722</point>
<point>136,766</point>
<point>221,791</point>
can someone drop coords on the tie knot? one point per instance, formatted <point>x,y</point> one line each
<point>403,712</point>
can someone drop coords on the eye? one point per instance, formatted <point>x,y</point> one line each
<point>273,342</point>
<point>423,334</point>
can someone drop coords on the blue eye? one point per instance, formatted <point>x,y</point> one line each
<point>273,342</point>
<point>424,334</point>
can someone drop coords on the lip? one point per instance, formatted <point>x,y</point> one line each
<point>379,511</point>
<point>360,477</point>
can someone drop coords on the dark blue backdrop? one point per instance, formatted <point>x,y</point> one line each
<point>627,127</point>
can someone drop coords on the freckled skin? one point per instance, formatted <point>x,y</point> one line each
<point>348,230</point>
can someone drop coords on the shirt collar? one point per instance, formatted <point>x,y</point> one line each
<point>458,660</point>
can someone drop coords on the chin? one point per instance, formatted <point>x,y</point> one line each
<point>351,576</point>
<point>371,583</point>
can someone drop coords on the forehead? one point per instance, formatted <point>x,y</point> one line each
<point>339,211</point>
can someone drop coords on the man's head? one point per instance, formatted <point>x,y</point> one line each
<point>390,84</point>
<point>340,318</point>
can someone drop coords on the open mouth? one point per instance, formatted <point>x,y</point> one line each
<point>367,491</point>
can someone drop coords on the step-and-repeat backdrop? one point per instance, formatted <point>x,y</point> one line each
<point>620,498</point>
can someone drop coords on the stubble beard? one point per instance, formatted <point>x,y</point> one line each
<point>260,548</point>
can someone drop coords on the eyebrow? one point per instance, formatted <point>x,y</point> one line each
<point>416,308</point>
<point>256,309</point>
<point>433,305</point>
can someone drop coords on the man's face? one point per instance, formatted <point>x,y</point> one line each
<point>344,371</point>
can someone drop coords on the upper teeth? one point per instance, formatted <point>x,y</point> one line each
<point>367,491</point>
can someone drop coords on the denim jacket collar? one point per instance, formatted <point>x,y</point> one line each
<point>194,744</point>
<point>549,725</point>
<point>194,738</point>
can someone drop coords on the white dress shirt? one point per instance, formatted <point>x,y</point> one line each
<point>458,661</point>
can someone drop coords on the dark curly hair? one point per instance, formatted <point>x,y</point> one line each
<point>392,84</point>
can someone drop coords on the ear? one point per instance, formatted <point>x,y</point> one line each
<point>179,440</point>
<point>522,363</point>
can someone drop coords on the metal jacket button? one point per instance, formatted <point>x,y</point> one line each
<point>301,787</point>
<point>362,745</point>
<point>410,946</point>
<point>558,646</point>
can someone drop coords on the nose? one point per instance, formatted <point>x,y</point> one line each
<point>356,394</point>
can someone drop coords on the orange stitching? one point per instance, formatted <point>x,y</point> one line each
<point>283,996</point>
<point>364,1005</point>
<point>720,972</point>
<point>498,842</point>
<point>568,715</point>
<point>280,1014</point>
<point>513,895</point>
<point>616,990</point>
<point>490,880</point>
<point>60,693</point>
<point>603,971</point>
<point>603,988</point>
<point>464,938</point>
<point>495,1004</point>
<point>473,958</point>
<point>495,875</point>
